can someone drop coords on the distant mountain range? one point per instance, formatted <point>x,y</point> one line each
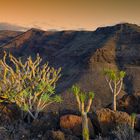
<point>11,27</point>
<point>82,56</point>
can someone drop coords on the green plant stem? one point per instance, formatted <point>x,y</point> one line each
<point>85,129</point>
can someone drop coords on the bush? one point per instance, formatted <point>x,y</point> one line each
<point>29,85</point>
<point>122,132</point>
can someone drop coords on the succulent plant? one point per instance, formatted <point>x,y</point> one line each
<point>81,98</point>
<point>29,85</point>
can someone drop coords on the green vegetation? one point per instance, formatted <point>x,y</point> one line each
<point>29,85</point>
<point>81,98</point>
<point>115,82</point>
<point>133,118</point>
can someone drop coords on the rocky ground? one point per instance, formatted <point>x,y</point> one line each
<point>66,124</point>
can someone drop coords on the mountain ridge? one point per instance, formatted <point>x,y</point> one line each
<point>83,55</point>
<point>120,26</point>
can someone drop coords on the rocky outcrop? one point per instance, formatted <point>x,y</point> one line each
<point>109,120</point>
<point>73,124</point>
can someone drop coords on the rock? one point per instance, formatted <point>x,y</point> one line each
<point>54,135</point>
<point>4,135</point>
<point>73,123</point>
<point>49,121</point>
<point>23,134</point>
<point>69,111</point>
<point>137,122</point>
<point>123,132</point>
<point>21,131</point>
<point>129,104</point>
<point>9,113</point>
<point>109,119</point>
<point>70,137</point>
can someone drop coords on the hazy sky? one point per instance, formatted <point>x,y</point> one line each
<point>69,14</point>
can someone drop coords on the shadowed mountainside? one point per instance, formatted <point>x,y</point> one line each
<point>82,56</point>
<point>6,36</point>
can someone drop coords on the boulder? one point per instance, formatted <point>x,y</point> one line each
<point>73,125</point>
<point>129,104</point>
<point>109,119</point>
<point>49,121</point>
<point>54,135</point>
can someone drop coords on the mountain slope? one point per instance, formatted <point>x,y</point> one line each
<point>83,55</point>
<point>6,36</point>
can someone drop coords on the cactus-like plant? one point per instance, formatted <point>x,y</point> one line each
<point>133,118</point>
<point>81,98</point>
<point>29,85</point>
<point>115,82</point>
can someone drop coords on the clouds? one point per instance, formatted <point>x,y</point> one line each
<point>7,26</point>
<point>69,14</point>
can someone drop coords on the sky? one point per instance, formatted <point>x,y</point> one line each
<point>69,14</point>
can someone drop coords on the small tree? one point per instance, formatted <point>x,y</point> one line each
<point>115,82</point>
<point>29,85</point>
<point>81,98</point>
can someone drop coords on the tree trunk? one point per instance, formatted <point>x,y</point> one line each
<point>114,98</point>
<point>85,129</point>
<point>114,103</point>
